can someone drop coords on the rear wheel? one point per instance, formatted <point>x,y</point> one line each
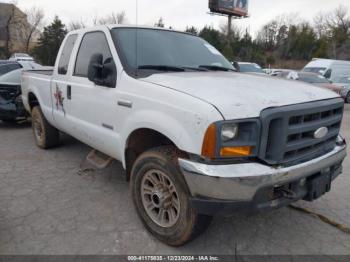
<point>46,136</point>
<point>162,200</point>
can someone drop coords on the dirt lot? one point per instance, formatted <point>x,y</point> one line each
<point>52,202</point>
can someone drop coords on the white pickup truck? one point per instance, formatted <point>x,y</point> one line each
<point>195,137</point>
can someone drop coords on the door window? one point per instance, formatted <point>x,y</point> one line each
<point>92,43</point>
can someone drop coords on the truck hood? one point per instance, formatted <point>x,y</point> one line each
<point>238,95</point>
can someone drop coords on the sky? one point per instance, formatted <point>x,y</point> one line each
<point>178,13</point>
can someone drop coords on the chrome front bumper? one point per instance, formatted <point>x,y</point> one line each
<point>241,182</point>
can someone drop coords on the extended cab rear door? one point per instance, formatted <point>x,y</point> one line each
<point>60,85</point>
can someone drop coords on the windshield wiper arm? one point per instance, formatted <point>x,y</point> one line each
<point>196,68</point>
<point>217,68</point>
<point>162,68</point>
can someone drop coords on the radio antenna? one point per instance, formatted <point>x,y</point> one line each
<point>136,38</point>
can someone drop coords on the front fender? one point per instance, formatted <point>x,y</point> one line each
<point>187,134</point>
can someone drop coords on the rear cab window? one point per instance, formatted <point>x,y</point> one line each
<point>66,54</point>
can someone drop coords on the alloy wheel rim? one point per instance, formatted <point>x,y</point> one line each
<point>160,198</point>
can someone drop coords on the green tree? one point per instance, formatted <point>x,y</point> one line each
<point>214,37</point>
<point>49,42</point>
<point>306,42</point>
<point>322,48</point>
<point>160,23</point>
<point>192,30</point>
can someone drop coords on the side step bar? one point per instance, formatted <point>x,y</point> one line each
<point>98,159</point>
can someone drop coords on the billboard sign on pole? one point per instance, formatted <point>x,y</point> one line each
<point>237,8</point>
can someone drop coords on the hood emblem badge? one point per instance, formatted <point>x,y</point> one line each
<point>321,133</point>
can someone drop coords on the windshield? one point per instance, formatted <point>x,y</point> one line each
<point>314,69</point>
<point>313,79</point>
<point>160,50</point>
<point>250,68</point>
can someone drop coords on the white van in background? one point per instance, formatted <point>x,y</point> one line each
<point>330,69</point>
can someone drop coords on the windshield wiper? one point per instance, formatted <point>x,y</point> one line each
<point>167,68</point>
<point>217,68</point>
<point>196,68</point>
<point>163,68</point>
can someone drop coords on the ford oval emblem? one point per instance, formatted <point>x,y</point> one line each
<point>321,132</point>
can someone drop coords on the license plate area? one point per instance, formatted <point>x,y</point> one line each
<point>318,185</point>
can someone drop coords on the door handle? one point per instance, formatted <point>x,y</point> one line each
<point>125,103</point>
<point>69,92</point>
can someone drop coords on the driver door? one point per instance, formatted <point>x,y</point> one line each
<point>92,108</point>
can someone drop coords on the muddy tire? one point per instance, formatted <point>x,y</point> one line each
<point>161,197</point>
<point>46,136</point>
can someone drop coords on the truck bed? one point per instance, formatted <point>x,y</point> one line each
<point>48,72</point>
<point>38,82</point>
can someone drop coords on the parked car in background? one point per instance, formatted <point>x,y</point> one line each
<point>21,57</point>
<point>344,81</point>
<point>11,106</point>
<point>245,67</point>
<point>330,69</point>
<point>276,72</point>
<point>267,70</point>
<point>7,66</point>
<point>317,80</point>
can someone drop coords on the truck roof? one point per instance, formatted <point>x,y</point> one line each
<point>111,26</point>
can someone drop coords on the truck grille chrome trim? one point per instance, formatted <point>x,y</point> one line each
<point>297,133</point>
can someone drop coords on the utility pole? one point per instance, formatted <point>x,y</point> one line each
<point>229,28</point>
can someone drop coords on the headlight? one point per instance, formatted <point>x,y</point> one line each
<point>229,132</point>
<point>229,139</point>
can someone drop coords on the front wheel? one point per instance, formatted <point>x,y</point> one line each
<point>162,200</point>
<point>46,136</point>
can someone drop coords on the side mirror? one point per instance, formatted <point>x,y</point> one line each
<point>62,70</point>
<point>109,73</point>
<point>236,65</point>
<point>102,73</point>
<point>95,68</point>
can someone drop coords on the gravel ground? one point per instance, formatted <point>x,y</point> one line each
<point>52,202</point>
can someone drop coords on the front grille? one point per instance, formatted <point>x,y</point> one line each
<point>288,134</point>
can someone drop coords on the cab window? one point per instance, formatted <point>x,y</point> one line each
<point>92,43</point>
<point>66,54</point>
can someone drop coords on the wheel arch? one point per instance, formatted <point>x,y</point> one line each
<point>32,100</point>
<point>142,140</point>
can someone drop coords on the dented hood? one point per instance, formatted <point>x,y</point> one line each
<point>238,95</point>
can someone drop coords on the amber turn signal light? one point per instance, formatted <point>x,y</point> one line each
<point>209,142</point>
<point>239,151</point>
